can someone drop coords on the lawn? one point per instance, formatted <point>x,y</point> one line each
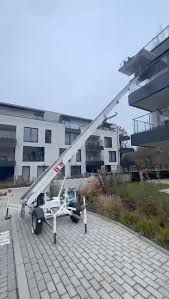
<point>140,206</point>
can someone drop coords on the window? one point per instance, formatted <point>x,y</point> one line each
<point>26,173</point>
<point>78,156</point>
<point>75,170</point>
<point>31,153</point>
<point>48,136</point>
<point>112,156</point>
<point>30,135</point>
<point>107,141</point>
<point>70,137</point>
<point>61,150</point>
<point>40,170</point>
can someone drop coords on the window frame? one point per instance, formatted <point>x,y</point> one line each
<point>71,137</point>
<point>50,139</point>
<point>79,155</point>
<point>31,129</point>
<point>105,138</point>
<point>115,155</point>
<point>33,147</point>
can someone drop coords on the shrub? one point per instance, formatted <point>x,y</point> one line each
<point>129,204</point>
<point>117,209</point>
<point>163,236</point>
<point>104,205</point>
<point>110,206</point>
<point>148,228</point>
<point>130,219</point>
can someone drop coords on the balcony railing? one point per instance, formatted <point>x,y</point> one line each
<point>158,39</point>
<point>143,123</point>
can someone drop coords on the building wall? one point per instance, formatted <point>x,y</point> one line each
<point>58,141</point>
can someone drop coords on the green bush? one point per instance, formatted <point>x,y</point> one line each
<point>163,236</point>
<point>117,209</point>
<point>148,228</point>
<point>130,219</point>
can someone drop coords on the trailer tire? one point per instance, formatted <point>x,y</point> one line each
<point>77,212</point>
<point>36,223</point>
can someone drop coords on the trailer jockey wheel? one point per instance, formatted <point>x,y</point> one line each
<point>36,223</point>
<point>76,212</point>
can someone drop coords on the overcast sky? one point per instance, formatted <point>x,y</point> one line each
<point>64,55</point>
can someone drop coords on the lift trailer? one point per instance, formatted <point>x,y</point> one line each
<point>36,199</point>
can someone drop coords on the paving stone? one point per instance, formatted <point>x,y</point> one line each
<point>141,291</point>
<point>32,283</point>
<point>103,294</point>
<point>55,295</point>
<point>164,292</point>
<point>50,286</point>
<point>71,290</point>
<point>127,296</point>
<point>93,294</point>
<point>45,295</point>
<point>60,288</point>
<point>75,281</point>
<point>41,285</point>
<point>47,277</point>
<point>51,269</point>
<point>129,289</point>
<point>65,296</point>
<point>82,292</point>
<point>154,292</point>
<point>78,273</point>
<point>129,280</point>
<point>43,268</point>
<point>89,276</point>
<point>117,287</point>
<point>106,286</point>
<point>95,284</point>
<point>34,294</point>
<point>115,295</point>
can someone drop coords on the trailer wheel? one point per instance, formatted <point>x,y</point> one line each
<point>77,212</point>
<point>36,224</point>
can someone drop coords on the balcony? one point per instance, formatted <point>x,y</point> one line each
<point>94,163</point>
<point>125,150</point>
<point>7,142</point>
<point>94,144</point>
<point>147,133</point>
<point>153,95</point>
<point>155,48</point>
<point>7,158</point>
<point>7,136</point>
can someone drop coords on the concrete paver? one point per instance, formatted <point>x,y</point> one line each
<point>108,262</point>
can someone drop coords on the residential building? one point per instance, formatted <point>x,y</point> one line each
<point>151,93</point>
<point>32,139</point>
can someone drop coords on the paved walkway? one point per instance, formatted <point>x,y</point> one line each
<point>108,262</point>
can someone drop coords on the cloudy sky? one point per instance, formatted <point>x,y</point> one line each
<point>64,55</point>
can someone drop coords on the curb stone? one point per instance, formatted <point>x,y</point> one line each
<point>22,283</point>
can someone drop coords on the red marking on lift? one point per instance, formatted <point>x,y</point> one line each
<point>59,167</point>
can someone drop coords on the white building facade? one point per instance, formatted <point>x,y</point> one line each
<point>32,139</point>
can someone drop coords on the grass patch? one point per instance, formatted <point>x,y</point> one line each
<point>140,206</point>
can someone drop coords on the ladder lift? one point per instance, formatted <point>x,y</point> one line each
<point>36,199</point>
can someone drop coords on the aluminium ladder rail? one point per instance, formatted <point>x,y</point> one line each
<point>44,180</point>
